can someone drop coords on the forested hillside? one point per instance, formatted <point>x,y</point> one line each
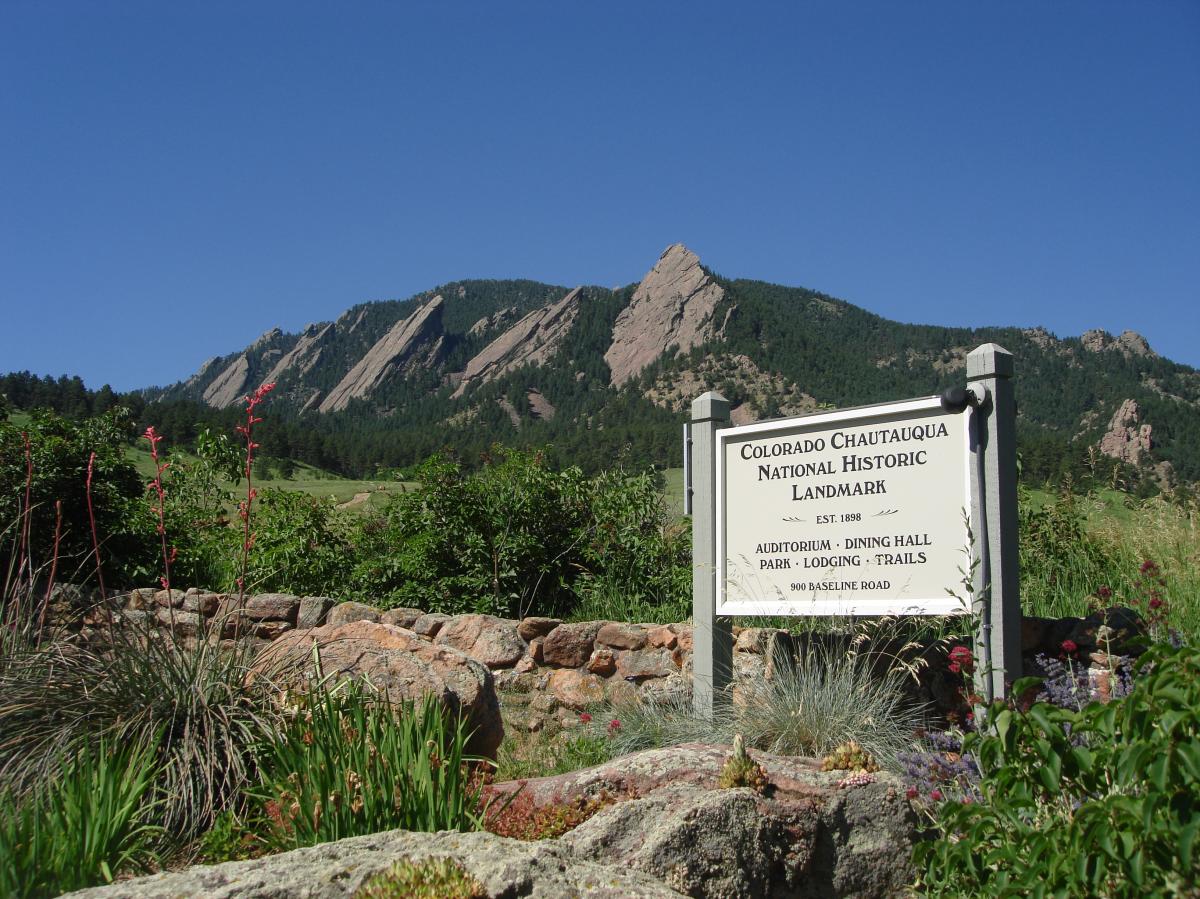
<point>594,372</point>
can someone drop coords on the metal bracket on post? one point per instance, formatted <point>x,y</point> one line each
<point>994,517</point>
<point>712,653</point>
<point>687,468</point>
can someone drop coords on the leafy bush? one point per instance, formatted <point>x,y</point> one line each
<point>299,545</point>
<point>59,450</point>
<point>81,826</point>
<point>192,705</point>
<point>197,498</point>
<point>637,564</point>
<point>516,537</point>
<point>498,540</point>
<point>1102,801</point>
<point>351,764</point>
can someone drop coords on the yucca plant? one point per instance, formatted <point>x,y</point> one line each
<point>350,763</point>
<point>85,823</point>
<point>192,704</point>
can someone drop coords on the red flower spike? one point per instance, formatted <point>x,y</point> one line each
<point>1070,647</point>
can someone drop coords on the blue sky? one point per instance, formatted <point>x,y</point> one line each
<point>177,178</point>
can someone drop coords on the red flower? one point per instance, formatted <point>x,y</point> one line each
<point>911,793</point>
<point>1069,647</point>
<point>961,659</point>
<point>936,795</point>
<point>1149,567</point>
<point>614,725</point>
<point>1156,602</point>
<point>1104,592</point>
<point>585,718</point>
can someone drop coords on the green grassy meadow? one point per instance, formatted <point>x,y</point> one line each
<point>350,493</point>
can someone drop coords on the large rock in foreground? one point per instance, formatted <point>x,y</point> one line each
<point>397,662</point>
<point>504,868</point>
<point>813,833</point>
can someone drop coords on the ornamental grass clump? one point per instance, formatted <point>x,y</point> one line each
<point>350,763</point>
<point>650,722</point>
<point>815,703</point>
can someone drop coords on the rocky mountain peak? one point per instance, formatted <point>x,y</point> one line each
<point>1129,344</point>
<point>672,306</point>
<point>229,385</point>
<point>411,343</point>
<point>1126,438</point>
<point>266,337</point>
<point>531,341</point>
<point>303,356</point>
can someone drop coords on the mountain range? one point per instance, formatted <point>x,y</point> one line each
<point>591,370</point>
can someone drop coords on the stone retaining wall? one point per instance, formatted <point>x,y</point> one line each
<point>553,668</point>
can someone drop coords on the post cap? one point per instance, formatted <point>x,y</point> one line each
<point>988,361</point>
<point>710,406</point>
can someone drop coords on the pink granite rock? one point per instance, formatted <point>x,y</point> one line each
<point>399,663</point>
<point>485,638</point>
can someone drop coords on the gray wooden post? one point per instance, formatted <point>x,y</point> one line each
<point>997,578</point>
<point>712,653</point>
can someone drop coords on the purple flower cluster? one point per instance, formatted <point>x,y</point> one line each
<point>1068,686</point>
<point>1065,685</point>
<point>940,768</point>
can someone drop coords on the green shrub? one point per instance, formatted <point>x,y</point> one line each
<point>1104,801</point>
<point>198,498</point>
<point>636,562</point>
<point>300,545</point>
<point>83,825</point>
<point>351,764</point>
<point>517,537</point>
<point>59,452</point>
<point>499,540</point>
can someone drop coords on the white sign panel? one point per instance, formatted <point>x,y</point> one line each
<point>855,512</point>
